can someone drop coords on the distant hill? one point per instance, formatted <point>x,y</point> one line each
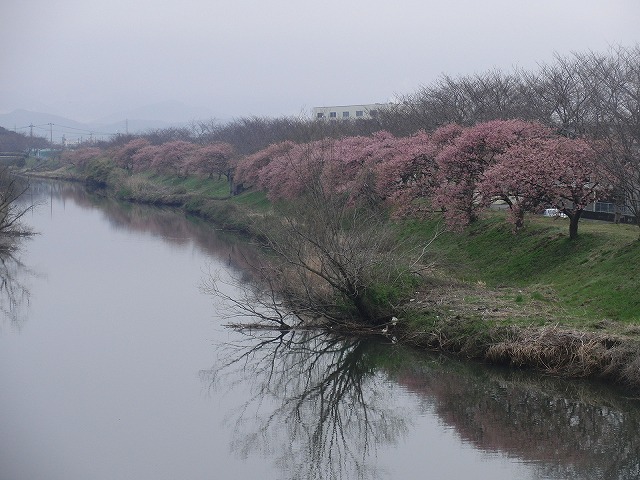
<point>20,120</point>
<point>171,112</point>
<point>48,125</point>
<point>11,142</point>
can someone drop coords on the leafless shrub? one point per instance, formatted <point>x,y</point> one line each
<point>328,262</point>
<point>11,189</point>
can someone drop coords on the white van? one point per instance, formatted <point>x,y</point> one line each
<point>554,212</point>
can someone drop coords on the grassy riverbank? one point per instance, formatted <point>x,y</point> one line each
<point>538,299</point>
<point>535,299</point>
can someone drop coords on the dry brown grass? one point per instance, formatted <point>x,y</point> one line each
<point>466,300</point>
<point>491,326</point>
<point>555,350</point>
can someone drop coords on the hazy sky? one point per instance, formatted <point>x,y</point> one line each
<point>87,59</point>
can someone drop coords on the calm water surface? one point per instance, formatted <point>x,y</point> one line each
<point>115,365</point>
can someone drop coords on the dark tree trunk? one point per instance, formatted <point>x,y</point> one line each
<point>574,218</point>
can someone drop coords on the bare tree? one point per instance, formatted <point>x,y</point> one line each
<point>251,134</point>
<point>464,100</point>
<point>618,122</point>
<point>165,135</point>
<point>11,189</point>
<point>339,262</point>
<point>329,262</point>
<point>564,96</point>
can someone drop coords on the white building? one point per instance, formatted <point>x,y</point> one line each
<point>348,112</point>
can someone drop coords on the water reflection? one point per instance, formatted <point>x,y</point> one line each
<point>175,229</point>
<point>325,407</point>
<point>321,407</point>
<point>14,289</point>
<point>565,429</point>
<point>14,273</point>
<point>318,405</point>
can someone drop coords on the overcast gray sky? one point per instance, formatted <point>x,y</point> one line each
<point>87,59</point>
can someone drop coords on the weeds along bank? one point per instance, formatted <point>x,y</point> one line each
<point>536,299</point>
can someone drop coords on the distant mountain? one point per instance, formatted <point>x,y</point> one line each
<point>21,119</point>
<point>170,111</point>
<point>42,124</point>
<point>54,126</point>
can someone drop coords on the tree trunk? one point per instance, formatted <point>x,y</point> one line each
<point>573,224</point>
<point>518,220</point>
<point>363,309</point>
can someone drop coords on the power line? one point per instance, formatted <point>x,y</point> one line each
<point>32,126</point>
<point>48,126</point>
<point>85,130</point>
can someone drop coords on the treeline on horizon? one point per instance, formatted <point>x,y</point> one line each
<point>564,136</point>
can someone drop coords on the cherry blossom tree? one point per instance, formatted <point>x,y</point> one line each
<point>344,166</point>
<point>513,181</point>
<point>171,157</point>
<point>555,171</point>
<point>145,157</point>
<point>376,167</point>
<point>574,177</point>
<point>123,156</point>
<point>212,159</point>
<point>407,177</point>
<point>252,169</point>
<point>352,168</point>
<point>289,175</point>
<point>79,157</point>
<point>462,163</point>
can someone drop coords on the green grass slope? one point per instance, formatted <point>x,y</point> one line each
<point>594,277</point>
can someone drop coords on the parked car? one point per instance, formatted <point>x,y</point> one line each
<point>554,212</point>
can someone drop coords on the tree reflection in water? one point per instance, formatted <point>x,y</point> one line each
<point>322,406</point>
<point>321,399</point>
<point>564,429</point>
<point>14,291</point>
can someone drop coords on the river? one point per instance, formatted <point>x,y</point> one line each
<point>115,364</point>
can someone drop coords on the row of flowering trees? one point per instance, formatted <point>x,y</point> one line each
<point>335,255</point>
<point>456,170</point>
<point>176,157</point>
